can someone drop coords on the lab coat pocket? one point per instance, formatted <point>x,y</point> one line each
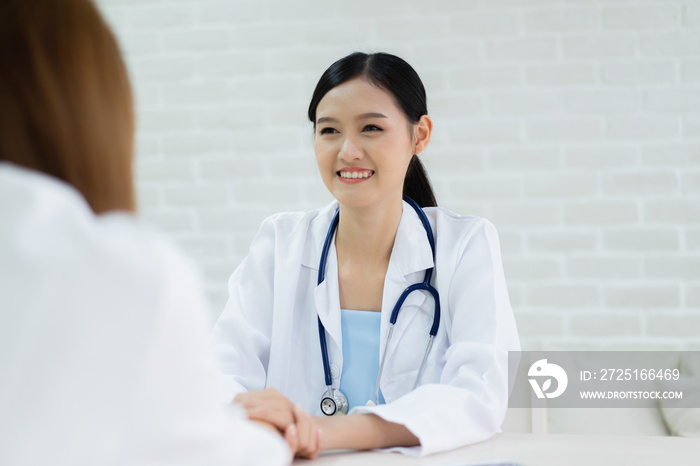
<point>411,335</point>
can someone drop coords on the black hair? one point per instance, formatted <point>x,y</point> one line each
<point>397,77</point>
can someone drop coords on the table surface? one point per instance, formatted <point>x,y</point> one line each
<point>541,450</point>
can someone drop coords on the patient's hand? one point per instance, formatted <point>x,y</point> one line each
<point>269,406</point>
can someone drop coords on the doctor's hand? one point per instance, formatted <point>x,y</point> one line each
<point>268,406</point>
<point>304,436</point>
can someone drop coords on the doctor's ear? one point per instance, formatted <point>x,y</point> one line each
<point>421,133</point>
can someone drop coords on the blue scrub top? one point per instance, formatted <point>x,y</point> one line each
<point>360,356</point>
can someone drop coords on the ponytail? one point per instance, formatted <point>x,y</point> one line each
<point>417,186</point>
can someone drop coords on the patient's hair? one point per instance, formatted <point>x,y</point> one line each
<point>66,107</point>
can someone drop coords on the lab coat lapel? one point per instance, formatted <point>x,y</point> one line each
<point>410,257</point>
<point>327,301</point>
<point>326,295</point>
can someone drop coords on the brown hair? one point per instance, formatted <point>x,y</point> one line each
<point>65,101</point>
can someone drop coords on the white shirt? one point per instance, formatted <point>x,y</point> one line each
<point>103,354</point>
<point>267,335</point>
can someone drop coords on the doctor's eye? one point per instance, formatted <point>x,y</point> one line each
<point>327,131</point>
<point>372,128</point>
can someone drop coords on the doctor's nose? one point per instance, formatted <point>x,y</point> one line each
<point>351,150</point>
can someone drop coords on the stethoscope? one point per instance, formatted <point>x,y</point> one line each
<point>333,401</point>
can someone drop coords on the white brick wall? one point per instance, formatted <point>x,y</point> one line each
<point>573,125</point>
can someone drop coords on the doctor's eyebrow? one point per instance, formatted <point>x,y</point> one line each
<point>358,117</point>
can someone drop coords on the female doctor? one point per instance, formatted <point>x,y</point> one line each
<point>308,324</point>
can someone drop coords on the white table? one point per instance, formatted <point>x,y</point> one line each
<point>543,450</point>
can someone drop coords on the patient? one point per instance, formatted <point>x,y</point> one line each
<point>103,355</point>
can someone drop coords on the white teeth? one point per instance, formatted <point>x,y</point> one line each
<point>355,175</point>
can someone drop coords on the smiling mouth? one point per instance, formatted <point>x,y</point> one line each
<point>355,174</point>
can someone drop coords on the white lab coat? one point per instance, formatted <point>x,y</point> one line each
<point>267,335</point>
<point>103,342</point>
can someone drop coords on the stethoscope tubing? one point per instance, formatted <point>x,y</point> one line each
<point>321,277</point>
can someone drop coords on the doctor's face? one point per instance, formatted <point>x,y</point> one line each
<point>363,143</point>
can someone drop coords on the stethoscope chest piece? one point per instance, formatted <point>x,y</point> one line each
<point>333,403</point>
